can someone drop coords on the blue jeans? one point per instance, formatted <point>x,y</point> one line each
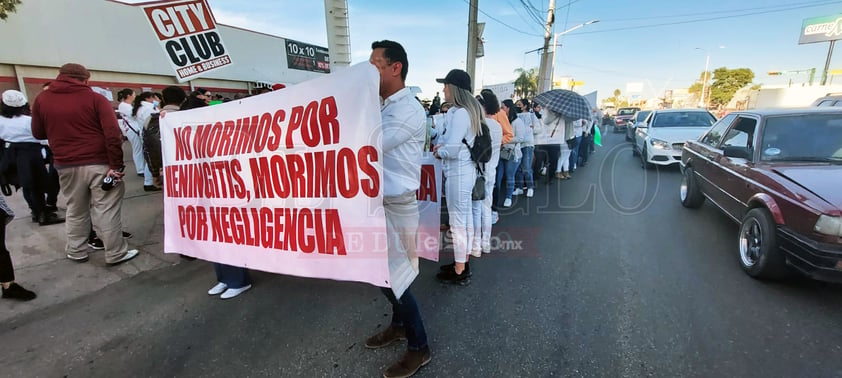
<point>523,177</point>
<point>233,276</point>
<point>507,168</point>
<point>405,314</point>
<point>574,152</point>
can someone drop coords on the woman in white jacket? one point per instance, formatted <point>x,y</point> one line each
<point>142,110</point>
<point>462,124</point>
<point>523,178</point>
<point>551,139</point>
<point>483,221</point>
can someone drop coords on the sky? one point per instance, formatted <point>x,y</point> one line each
<point>650,42</point>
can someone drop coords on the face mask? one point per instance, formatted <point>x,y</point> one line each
<point>155,104</point>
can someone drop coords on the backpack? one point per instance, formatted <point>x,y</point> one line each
<point>481,150</point>
<point>152,144</point>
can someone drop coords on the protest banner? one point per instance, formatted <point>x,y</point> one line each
<point>189,37</point>
<point>429,208</point>
<point>287,182</point>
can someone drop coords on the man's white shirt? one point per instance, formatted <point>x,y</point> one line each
<point>404,132</point>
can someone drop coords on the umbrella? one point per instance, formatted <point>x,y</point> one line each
<point>567,103</point>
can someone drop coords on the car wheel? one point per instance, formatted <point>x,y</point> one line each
<point>643,156</point>
<point>759,253</point>
<point>627,136</point>
<point>634,148</point>
<point>691,195</point>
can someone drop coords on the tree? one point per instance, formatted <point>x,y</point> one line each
<point>526,83</point>
<point>6,7</point>
<point>727,82</point>
<point>617,93</point>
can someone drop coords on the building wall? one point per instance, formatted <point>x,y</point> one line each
<point>115,42</point>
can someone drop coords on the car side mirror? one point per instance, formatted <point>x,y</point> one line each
<point>737,152</point>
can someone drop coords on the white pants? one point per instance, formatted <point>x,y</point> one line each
<point>457,188</point>
<point>481,240</point>
<point>137,156</point>
<point>564,159</point>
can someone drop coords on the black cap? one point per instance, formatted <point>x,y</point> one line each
<point>458,78</point>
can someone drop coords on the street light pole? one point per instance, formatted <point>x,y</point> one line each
<point>555,46</point>
<point>702,103</point>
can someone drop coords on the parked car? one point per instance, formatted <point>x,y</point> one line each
<point>622,118</point>
<point>638,118</point>
<point>661,136</point>
<point>777,173</point>
<point>831,99</point>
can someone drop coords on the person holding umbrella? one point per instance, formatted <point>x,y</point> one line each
<point>557,106</point>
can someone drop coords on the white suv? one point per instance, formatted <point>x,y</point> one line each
<point>660,138</point>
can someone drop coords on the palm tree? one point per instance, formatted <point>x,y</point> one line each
<point>6,7</point>
<point>526,83</point>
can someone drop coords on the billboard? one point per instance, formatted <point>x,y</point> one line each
<point>189,37</point>
<point>821,29</point>
<point>307,57</point>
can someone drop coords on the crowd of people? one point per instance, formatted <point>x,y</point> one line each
<point>71,141</point>
<point>529,145</point>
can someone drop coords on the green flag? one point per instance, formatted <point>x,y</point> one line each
<point>597,137</point>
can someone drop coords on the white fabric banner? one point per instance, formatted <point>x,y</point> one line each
<point>286,182</point>
<point>429,208</point>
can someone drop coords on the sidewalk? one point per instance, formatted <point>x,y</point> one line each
<point>41,264</point>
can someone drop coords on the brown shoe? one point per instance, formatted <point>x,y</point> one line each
<point>385,337</point>
<point>409,363</point>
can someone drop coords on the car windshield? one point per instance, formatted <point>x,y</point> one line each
<point>810,138</point>
<point>683,119</point>
<point>641,115</point>
<point>629,111</point>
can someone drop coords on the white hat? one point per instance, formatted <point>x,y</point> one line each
<point>14,98</point>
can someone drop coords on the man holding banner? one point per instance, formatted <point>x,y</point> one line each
<point>404,134</point>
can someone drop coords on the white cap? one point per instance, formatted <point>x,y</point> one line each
<point>14,98</point>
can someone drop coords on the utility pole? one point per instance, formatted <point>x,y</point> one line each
<point>544,73</point>
<point>473,38</point>
<point>827,62</point>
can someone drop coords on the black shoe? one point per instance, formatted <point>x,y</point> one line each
<point>449,268</point>
<point>450,276</point>
<point>51,208</point>
<point>127,235</point>
<point>151,188</point>
<point>16,291</point>
<point>96,243</point>
<point>47,219</point>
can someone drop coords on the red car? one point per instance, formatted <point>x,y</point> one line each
<point>778,173</point>
<point>624,118</point>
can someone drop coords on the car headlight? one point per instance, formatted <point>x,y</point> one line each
<point>829,225</point>
<point>659,144</point>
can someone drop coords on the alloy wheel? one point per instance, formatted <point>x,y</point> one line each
<point>751,242</point>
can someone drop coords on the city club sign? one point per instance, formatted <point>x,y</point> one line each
<point>821,29</point>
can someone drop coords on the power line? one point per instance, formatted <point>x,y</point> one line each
<point>532,14</point>
<point>701,19</point>
<point>526,20</point>
<point>770,7</point>
<point>503,23</point>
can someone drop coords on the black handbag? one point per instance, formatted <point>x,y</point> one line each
<point>478,192</point>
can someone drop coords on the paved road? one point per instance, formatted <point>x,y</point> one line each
<point>615,278</point>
